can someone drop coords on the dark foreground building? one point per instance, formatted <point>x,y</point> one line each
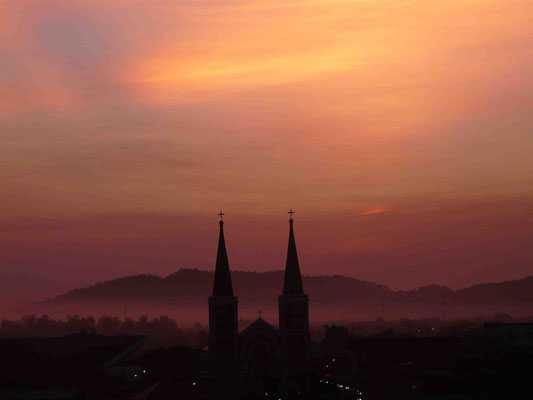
<point>77,366</point>
<point>261,349</point>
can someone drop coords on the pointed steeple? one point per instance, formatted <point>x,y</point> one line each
<point>293,279</point>
<point>222,285</point>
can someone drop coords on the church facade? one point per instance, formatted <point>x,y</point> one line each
<point>260,348</point>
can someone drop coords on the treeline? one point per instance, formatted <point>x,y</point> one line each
<point>166,331</point>
<point>427,327</point>
<point>161,327</point>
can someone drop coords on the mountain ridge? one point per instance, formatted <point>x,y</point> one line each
<point>188,285</point>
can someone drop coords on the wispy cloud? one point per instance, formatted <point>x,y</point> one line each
<point>178,107</point>
<point>376,210</point>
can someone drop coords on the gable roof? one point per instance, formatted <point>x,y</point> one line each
<point>259,325</point>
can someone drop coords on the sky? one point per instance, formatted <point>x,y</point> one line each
<point>399,131</point>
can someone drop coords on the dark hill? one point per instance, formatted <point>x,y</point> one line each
<point>191,286</point>
<point>518,291</point>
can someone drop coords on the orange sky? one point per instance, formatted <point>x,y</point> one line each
<point>377,116</point>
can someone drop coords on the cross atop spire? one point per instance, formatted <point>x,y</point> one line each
<point>293,279</point>
<point>220,214</point>
<point>291,212</point>
<point>222,285</point>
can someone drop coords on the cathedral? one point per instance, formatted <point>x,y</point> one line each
<point>260,348</point>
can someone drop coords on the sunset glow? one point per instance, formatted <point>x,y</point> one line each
<point>394,129</point>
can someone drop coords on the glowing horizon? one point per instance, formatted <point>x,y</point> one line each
<point>412,115</point>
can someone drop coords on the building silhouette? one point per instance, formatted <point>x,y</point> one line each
<point>261,348</point>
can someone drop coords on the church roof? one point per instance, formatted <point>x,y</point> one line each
<point>222,285</point>
<point>259,325</point>
<point>293,280</point>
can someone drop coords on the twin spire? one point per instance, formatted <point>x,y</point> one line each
<point>222,286</point>
<point>293,280</point>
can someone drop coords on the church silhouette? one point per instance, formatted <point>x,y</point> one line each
<point>259,349</point>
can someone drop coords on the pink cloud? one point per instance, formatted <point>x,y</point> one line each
<point>376,210</point>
